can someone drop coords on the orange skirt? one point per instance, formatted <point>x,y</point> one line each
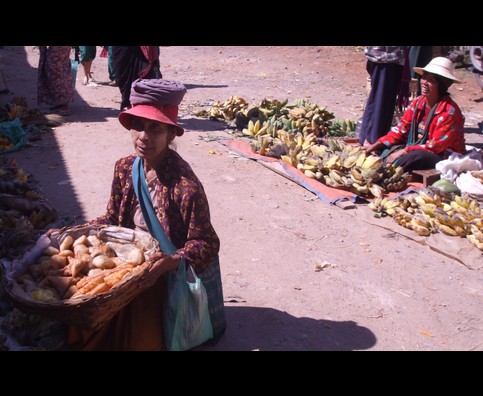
<point>136,327</point>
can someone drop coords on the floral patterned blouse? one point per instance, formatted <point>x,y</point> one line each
<point>180,203</point>
<point>446,130</point>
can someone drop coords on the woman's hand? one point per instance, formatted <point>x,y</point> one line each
<point>395,155</point>
<point>369,148</point>
<point>161,263</point>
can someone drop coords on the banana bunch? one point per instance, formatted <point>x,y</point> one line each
<point>269,108</point>
<point>299,147</point>
<point>478,175</point>
<point>384,205</point>
<point>41,217</point>
<point>342,127</point>
<point>450,225</point>
<point>300,116</point>
<point>311,166</point>
<point>335,145</point>
<point>476,236</point>
<point>15,111</point>
<point>433,210</point>
<point>19,109</point>
<point>394,178</point>
<point>420,224</point>
<point>337,179</point>
<point>252,128</point>
<point>225,111</point>
<point>402,217</point>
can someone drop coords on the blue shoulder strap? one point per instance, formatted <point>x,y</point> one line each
<point>142,193</point>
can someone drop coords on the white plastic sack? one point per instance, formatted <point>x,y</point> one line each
<point>469,184</point>
<point>459,163</point>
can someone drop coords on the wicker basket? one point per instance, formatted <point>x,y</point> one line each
<point>92,312</point>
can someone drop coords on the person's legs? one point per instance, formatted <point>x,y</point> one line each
<point>379,112</point>
<point>110,66</point>
<point>86,67</point>
<point>55,78</point>
<point>369,109</point>
<point>419,160</point>
<point>87,55</point>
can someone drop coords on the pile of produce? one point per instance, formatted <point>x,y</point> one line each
<point>24,216</point>
<point>305,136</point>
<point>337,164</point>
<point>18,109</point>
<point>432,210</point>
<point>76,276</point>
<point>273,115</point>
<point>24,213</point>
<point>82,267</point>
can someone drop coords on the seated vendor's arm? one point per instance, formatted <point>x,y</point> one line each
<point>397,135</point>
<point>400,133</point>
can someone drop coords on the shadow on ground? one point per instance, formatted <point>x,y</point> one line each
<point>43,157</point>
<point>267,329</point>
<point>193,86</point>
<point>202,124</point>
<point>475,131</point>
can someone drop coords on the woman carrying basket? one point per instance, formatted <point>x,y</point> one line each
<point>181,206</point>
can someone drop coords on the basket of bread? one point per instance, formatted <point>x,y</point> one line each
<point>81,276</point>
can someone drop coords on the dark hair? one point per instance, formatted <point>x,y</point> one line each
<point>172,128</point>
<point>443,84</point>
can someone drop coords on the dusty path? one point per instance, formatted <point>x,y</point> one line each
<point>379,290</point>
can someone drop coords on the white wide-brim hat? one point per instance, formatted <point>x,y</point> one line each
<point>440,66</point>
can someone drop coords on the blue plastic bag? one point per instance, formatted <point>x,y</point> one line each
<point>74,66</point>
<point>14,132</point>
<point>186,317</point>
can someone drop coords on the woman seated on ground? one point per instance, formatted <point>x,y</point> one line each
<point>431,128</point>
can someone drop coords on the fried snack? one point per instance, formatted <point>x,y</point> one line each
<point>103,262</point>
<point>66,243</point>
<point>57,261</point>
<point>108,251</point>
<point>82,240</point>
<point>90,285</point>
<point>78,266</point>
<point>61,283</point>
<point>100,288</point>
<point>93,241</point>
<point>70,292</point>
<point>116,277</point>
<point>80,249</point>
<point>136,256</point>
<point>66,253</point>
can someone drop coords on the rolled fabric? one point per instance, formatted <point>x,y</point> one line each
<point>156,92</point>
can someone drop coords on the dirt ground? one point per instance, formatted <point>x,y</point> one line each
<point>379,290</point>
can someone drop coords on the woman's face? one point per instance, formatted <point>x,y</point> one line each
<point>429,86</point>
<point>151,138</point>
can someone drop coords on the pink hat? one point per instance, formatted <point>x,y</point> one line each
<point>154,99</point>
<point>167,114</point>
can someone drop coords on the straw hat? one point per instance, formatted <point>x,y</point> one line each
<point>440,66</point>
